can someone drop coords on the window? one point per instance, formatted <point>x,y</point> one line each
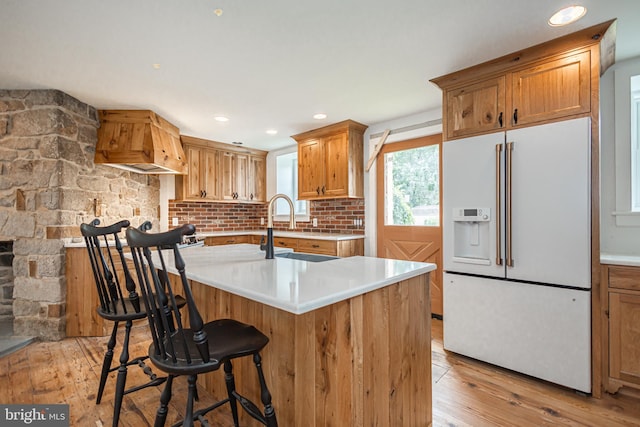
<point>635,141</point>
<point>627,144</point>
<point>412,187</point>
<point>287,183</point>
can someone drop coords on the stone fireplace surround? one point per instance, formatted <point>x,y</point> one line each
<point>49,185</point>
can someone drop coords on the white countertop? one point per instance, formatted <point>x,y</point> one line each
<point>630,260</point>
<point>276,233</point>
<point>78,242</point>
<point>288,284</point>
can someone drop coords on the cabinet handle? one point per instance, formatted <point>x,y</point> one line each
<point>515,116</point>
<point>251,197</point>
<point>500,119</point>
<point>204,193</point>
<point>315,246</point>
<point>508,171</point>
<point>318,190</point>
<point>231,241</point>
<point>498,204</point>
<point>323,189</point>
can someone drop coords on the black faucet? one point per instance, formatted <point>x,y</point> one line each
<point>268,246</point>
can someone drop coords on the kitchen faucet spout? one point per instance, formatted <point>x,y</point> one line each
<point>268,247</point>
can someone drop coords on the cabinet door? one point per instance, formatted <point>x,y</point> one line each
<point>476,108</point>
<point>310,169</point>
<point>193,188</point>
<point>624,337</point>
<point>209,174</point>
<point>551,90</point>
<point>257,179</point>
<point>241,176</point>
<point>227,160</point>
<point>336,177</point>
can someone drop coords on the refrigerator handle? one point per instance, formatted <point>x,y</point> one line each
<point>508,202</point>
<point>498,205</point>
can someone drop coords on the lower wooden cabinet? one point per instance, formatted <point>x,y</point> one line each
<point>624,337</point>
<point>341,248</point>
<point>621,355</point>
<point>226,240</point>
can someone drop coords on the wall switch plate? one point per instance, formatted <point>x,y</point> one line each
<point>174,221</point>
<point>315,222</point>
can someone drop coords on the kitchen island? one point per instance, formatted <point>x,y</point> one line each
<point>349,338</point>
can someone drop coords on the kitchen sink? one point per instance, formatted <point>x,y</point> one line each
<point>305,257</point>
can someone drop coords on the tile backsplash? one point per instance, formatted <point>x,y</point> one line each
<point>334,216</point>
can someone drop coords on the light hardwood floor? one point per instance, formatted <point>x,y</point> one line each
<point>465,393</point>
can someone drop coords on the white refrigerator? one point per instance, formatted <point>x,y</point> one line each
<point>517,250</point>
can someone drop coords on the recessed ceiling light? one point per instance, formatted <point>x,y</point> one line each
<point>319,116</point>
<point>272,131</point>
<point>567,15</point>
<point>221,118</point>
<point>156,66</point>
<point>218,12</point>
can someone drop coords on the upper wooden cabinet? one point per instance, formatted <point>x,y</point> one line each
<point>330,162</point>
<point>476,108</point>
<point>551,89</point>
<point>202,180</point>
<point>547,82</point>
<point>219,172</point>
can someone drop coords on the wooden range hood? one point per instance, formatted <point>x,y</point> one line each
<point>139,141</point>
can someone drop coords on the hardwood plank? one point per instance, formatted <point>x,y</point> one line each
<point>465,392</point>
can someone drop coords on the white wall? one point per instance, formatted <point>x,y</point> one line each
<point>619,229</point>
<point>371,220</point>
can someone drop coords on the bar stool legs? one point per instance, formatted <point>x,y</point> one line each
<point>265,395</point>
<point>106,363</point>
<point>165,397</point>
<point>121,380</point>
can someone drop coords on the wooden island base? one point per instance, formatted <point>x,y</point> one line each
<point>364,361</point>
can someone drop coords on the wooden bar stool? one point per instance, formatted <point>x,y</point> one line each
<point>200,348</point>
<point>117,303</point>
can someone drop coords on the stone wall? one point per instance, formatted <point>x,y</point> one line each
<point>49,185</point>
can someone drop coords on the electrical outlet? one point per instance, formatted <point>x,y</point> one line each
<point>174,221</point>
<point>355,222</point>
<point>315,222</point>
<point>261,221</point>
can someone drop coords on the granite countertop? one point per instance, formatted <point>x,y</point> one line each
<point>630,260</point>
<point>276,233</point>
<point>288,284</point>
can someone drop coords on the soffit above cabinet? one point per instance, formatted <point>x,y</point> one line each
<point>139,141</point>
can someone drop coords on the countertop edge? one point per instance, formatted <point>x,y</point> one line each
<point>276,233</point>
<point>613,259</point>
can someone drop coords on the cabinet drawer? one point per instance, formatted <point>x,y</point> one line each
<point>285,242</point>
<point>624,277</point>
<point>225,240</point>
<point>325,247</point>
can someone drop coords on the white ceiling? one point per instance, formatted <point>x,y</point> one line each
<point>273,64</point>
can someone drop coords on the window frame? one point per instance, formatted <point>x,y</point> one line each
<point>625,215</point>
<point>301,217</point>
